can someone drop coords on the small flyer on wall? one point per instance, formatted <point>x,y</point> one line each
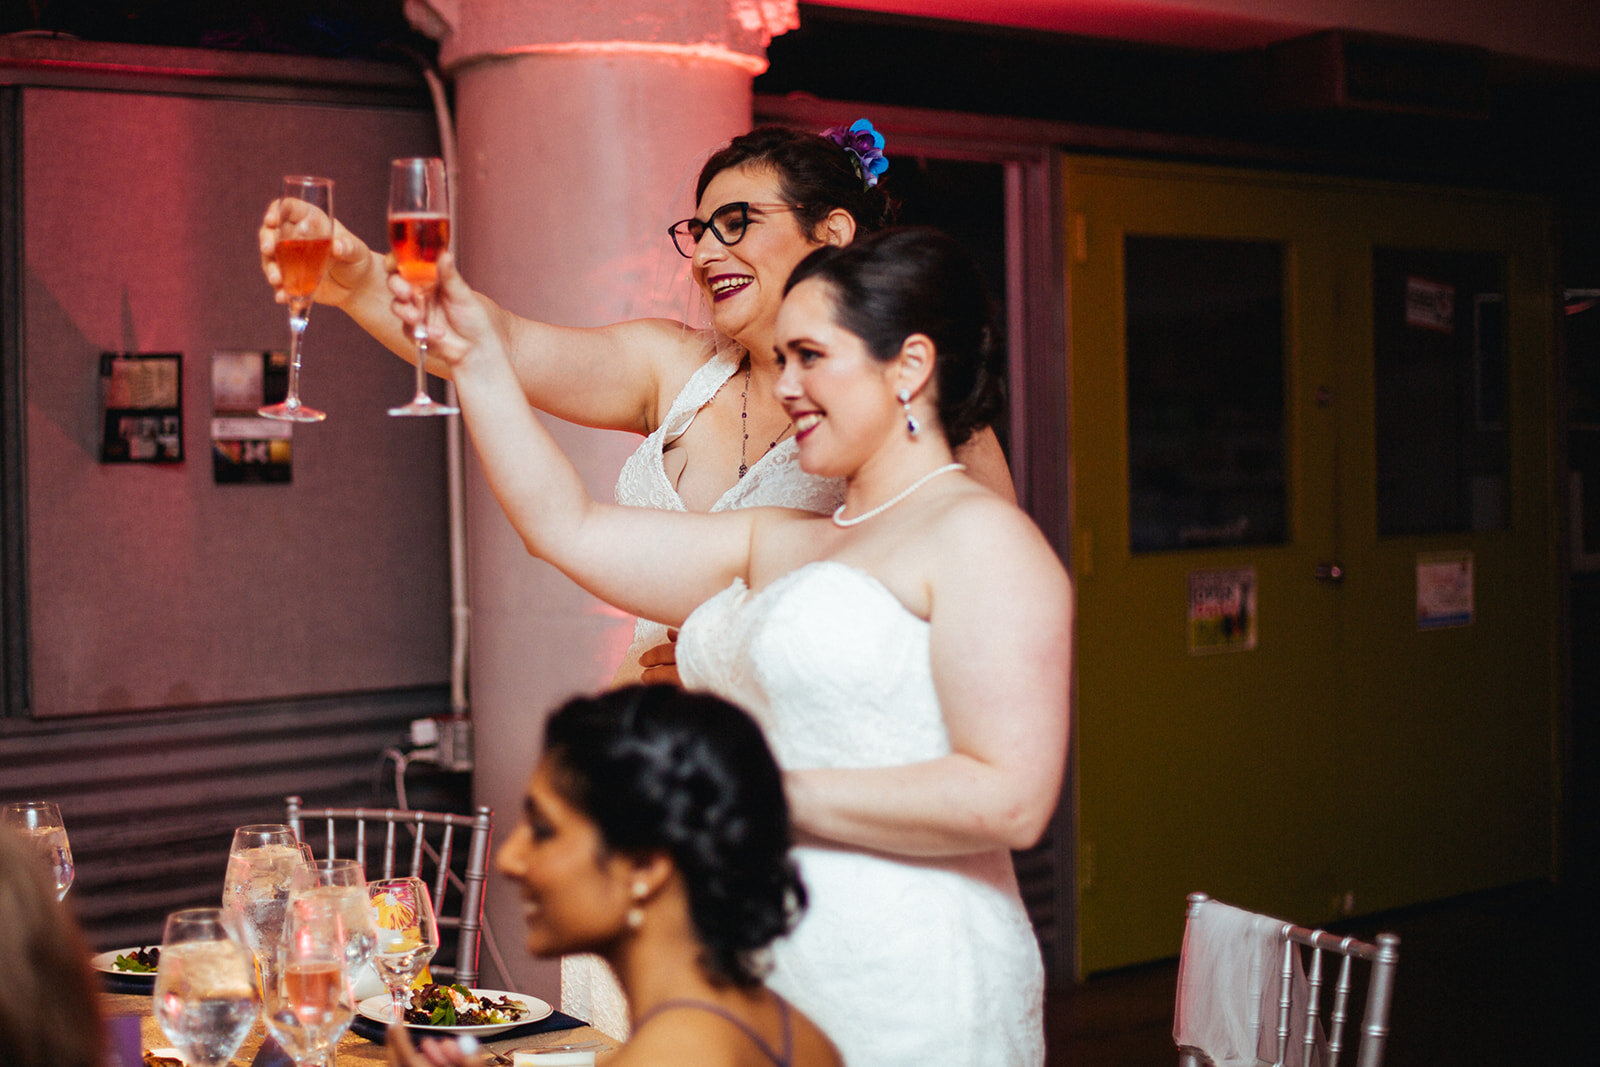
<point>1444,589</point>
<point>141,399</point>
<point>244,446</point>
<point>1222,610</point>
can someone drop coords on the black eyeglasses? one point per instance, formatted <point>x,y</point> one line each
<point>727,224</point>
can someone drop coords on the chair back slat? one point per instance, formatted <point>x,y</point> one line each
<point>1380,993</point>
<point>1298,999</point>
<point>1313,998</point>
<point>442,883</point>
<point>435,861</point>
<point>1339,1012</point>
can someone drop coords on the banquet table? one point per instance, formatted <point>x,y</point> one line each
<point>352,1048</point>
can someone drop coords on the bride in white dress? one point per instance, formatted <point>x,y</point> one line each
<point>909,654</point>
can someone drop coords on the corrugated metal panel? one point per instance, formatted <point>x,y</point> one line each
<point>151,801</point>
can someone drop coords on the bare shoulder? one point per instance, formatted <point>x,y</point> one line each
<point>706,1039</point>
<point>674,352</point>
<point>981,538</point>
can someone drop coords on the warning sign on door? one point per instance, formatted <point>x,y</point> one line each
<point>1222,610</point>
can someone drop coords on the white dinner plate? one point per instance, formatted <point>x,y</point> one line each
<point>104,963</point>
<point>378,1010</point>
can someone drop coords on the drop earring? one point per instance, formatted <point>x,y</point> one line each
<point>635,917</point>
<point>913,427</point>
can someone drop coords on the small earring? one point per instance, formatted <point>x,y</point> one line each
<point>913,427</point>
<point>635,916</point>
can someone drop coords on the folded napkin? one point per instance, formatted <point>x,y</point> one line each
<point>1228,987</point>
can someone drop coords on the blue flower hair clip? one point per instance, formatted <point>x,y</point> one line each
<point>865,146</point>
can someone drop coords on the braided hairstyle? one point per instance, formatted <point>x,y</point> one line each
<point>660,769</point>
<point>813,172</point>
<point>889,285</point>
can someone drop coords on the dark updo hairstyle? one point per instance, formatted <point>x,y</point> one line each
<point>658,769</point>
<point>813,172</point>
<point>889,285</point>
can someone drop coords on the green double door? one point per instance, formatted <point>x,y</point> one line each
<point>1314,539</point>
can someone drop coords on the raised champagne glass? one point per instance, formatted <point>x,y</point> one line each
<point>205,992</point>
<point>419,230</point>
<point>39,823</point>
<point>305,240</point>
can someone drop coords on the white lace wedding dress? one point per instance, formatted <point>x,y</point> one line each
<point>901,961</point>
<point>589,991</point>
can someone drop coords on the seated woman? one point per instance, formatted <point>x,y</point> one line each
<point>908,656</point>
<point>49,1003</point>
<point>657,836</point>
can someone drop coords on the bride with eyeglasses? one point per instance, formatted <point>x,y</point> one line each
<point>908,655</point>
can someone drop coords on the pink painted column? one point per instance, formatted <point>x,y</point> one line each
<point>580,129</point>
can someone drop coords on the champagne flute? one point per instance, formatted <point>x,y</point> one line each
<point>305,240</point>
<point>261,862</point>
<point>39,822</point>
<point>419,229</point>
<point>408,935</point>
<point>205,991</point>
<point>309,1005</point>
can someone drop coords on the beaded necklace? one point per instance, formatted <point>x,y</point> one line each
<point>744,425</point>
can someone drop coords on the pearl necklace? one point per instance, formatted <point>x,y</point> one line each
<point>901,495</point>
<point>744,425</point>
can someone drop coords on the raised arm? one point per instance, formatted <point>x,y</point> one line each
<point>608,377</point>
<point>1001,632</point>
<point>658,564</point>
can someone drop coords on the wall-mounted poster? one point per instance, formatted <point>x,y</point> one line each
<point>1444,589</point>
<point>141,398</point>
<point>1222,610</point>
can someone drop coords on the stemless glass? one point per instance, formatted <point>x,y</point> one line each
<point>309,1005</point>
<point>205,991</point>
<point>419,230</point>
<point>408,935</point>
<point>261,862</point>
<point>305,240</point>
<point>39,822</point>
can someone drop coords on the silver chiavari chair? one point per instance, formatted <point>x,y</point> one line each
<point>457,895</point>
<point>1323,1040</point>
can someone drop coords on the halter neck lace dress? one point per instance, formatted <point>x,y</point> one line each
<point>589,991</point>
<point>774,480</point>
<point>900,960</point>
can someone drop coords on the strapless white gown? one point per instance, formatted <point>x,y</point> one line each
<point>901,961</point>
<point>589,990</point>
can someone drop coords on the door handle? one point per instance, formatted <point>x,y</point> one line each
<point>1329,572</point>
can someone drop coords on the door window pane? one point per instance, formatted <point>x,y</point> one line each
<point>1440,387</point>
<point>1205,352</point>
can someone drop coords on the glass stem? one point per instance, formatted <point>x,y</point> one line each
<point>298,317</point>
<point>421,336</point>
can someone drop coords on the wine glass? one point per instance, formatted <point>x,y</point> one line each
<point>309,1004</point>
<point>419,229</point>
<point>305,239</point>
<point>408,935</point>
<point>205,991</point>
<point>39,823</point>
<point>261,862</point>
<point>339,887</point>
